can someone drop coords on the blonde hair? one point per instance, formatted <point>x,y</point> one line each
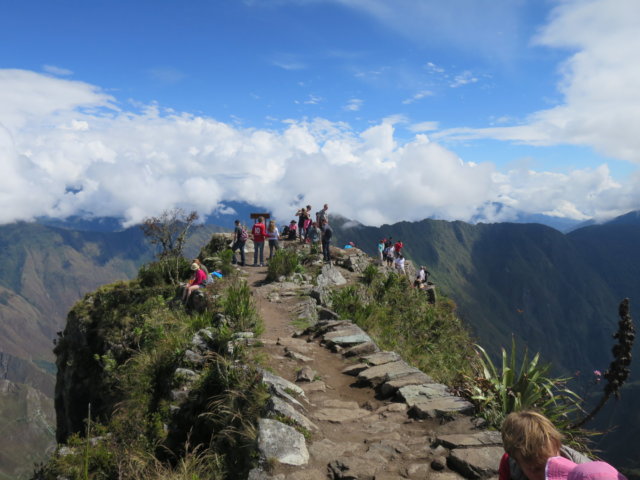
<point>530,436</point>
<point>272,225</point>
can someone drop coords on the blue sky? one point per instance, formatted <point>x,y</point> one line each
<point>441,109</point>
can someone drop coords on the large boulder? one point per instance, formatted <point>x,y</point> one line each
<point>282,443</point>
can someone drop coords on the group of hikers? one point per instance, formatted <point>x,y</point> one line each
<point>305,230</point>
<point>313,231</point>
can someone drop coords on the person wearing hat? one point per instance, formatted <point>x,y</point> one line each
<point>529,440</point>
<point>198,279</point>
<point>560,468</point>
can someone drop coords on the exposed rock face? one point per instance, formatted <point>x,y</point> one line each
<point>282,443</point>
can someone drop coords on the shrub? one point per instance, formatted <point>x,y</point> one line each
<point>238,306</point>
<point>283,263</point>
<point>498,392</point>
<point>160,273</point>
<point>399,317</point>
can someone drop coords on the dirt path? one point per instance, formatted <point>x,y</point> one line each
<point>354,433</point>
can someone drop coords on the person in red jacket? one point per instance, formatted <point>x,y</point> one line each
<point>397,248</point>
<point>198,280</point>
<point>258,234</point>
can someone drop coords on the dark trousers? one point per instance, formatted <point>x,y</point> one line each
<point>325,250</point>
<point>238,245</point>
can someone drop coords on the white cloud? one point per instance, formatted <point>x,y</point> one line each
<point>599,83</point>
<point>287,61</point>
<point>53,70</point>
<point>65,148</point>
<point>354,105</point>
<point>423,127</point>
<point>464,78</point>
<point>418,96</point>
<point>313,100</point>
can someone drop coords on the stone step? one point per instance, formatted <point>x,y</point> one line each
<point>379,374</point>
<point>380,358</point>
<point>389,388</point>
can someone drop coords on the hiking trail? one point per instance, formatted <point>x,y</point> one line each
<point>370,415</point>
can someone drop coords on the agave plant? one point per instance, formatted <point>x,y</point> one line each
<point>500,392</point>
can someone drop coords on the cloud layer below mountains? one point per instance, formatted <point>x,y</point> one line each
<point>67,147</point>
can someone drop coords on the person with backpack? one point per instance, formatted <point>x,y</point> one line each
<point>313,234</point>
<point>323,215</point>
<point>397,247</point>
<point>422,277</point>
<point>327,233</point>
<point>303,217</point>
<point>240,237</point>
<point>258,233</point>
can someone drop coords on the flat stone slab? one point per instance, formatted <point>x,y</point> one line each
<point>280,407</point>
<point>476,463</point>
<point>381,358</point>
<point>361,349</point>
<point>392,386</point>
<point>294,344</point>
<point>443,407</point>
<point>281,442</point>
<point>412,394</point>
<point>340,415</point>
<point>379,374</point>
<point>297,356</point>
<point>462,440</point>
<point>271,379</point>
<point>317,386</point>
<point>349,340</point>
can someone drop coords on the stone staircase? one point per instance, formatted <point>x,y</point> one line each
<point>351,411</point>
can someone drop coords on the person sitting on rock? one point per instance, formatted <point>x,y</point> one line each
<point>293,230</point>
<point>529,440</point>
<point>198,280</point>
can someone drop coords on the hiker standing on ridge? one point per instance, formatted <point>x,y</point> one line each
<point>398,247</point>
<point>240,236</point>
<point>422,277</point>
<point>327,233</point>
<point>272,235</point>
<point>381,251</point>
<point>399,264</point>
<point>322,215</point>
<point>258,232</point>
<point>313,234</point>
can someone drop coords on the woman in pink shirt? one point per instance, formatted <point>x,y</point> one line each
<point>198,280</point>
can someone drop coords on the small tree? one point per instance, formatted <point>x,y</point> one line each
<point>168,232</point>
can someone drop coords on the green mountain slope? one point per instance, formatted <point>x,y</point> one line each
<point>43,271</point>
<point>557,294</point>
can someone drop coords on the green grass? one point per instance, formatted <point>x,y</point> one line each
<point>136,340</point>
<point>399,318</point>
<point>285,262</point>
